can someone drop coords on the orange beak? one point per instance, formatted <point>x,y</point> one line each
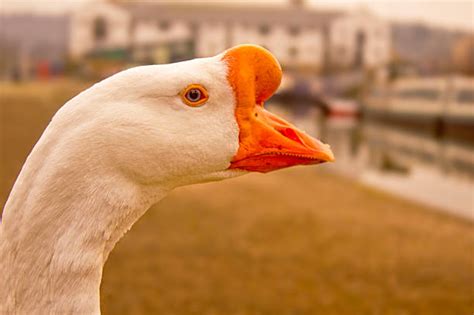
<point>266,141</point>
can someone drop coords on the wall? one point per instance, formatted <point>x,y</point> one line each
<point>82,35</point>
<point>343,37</point>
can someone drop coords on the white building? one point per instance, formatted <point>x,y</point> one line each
<point>300,37</point>
<point>99,26</point>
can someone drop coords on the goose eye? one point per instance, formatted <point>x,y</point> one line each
<point>194,95</point>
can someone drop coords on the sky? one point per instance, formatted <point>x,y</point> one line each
<point>453,14</point>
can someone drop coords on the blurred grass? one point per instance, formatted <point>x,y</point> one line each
<point>299,241</point>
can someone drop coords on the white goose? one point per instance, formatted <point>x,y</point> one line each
<point>118,148</point>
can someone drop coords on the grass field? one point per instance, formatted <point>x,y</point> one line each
<point>299,241</point>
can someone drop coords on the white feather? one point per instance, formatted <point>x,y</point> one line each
<point>106,157</point>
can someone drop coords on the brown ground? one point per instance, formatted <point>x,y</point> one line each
<point>300,241</point>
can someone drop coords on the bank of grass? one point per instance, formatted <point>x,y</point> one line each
<point>299,241</point>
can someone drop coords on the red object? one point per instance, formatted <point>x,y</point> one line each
<point>43,70</point>
<point>343,108</point>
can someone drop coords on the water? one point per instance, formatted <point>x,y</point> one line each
<point>412,165</point>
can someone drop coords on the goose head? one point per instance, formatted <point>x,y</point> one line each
<point>116,149</point>
<point>189,122</point>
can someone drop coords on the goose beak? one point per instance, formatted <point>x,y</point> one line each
<point>266,141</point>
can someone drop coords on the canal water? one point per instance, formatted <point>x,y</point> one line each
<point>412,165</point>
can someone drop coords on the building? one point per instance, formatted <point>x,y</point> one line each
<point>28,40</point>
<point>427,49</point>
<point>300,37</point>
<point>463,54</point>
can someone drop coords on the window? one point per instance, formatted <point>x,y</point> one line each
<point>293,52</point>
<point>264,29</point>
<point>164,25</point>
<point>294,31</point>
<point>100,29</point>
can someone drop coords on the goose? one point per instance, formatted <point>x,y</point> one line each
<point>116,149</point>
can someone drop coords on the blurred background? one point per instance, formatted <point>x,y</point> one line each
<point>387,229</point>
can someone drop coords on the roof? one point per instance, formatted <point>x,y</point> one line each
<point>193,12</point>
